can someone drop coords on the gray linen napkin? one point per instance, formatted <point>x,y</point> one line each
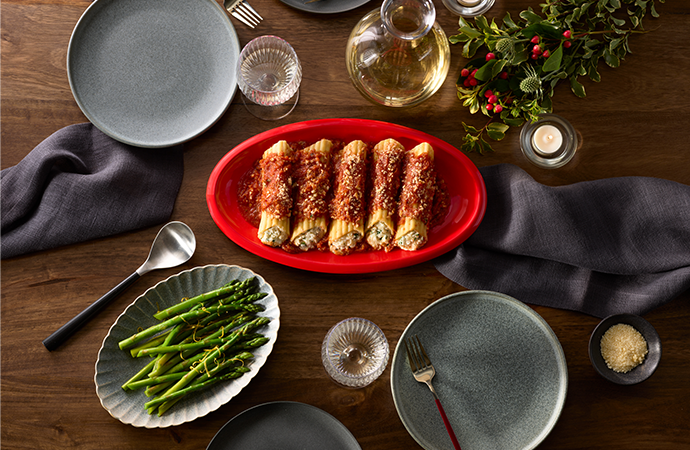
<point>79,184</point>
<point>617,245</point>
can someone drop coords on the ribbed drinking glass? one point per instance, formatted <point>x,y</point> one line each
<point>269,74</point>
<point>355,352</point>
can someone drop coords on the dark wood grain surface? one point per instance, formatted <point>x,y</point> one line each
<point>634,122</point>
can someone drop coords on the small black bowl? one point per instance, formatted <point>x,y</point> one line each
<point>639,373</point>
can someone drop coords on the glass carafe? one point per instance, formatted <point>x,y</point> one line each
<point>398,55</point>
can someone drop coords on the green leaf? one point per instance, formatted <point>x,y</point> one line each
<point>593,73</point>
<point>468,146</point>
<point>496,135</point>
<point>508,21</point>
<point>615,43</point>
<point>619,22</point>
<point>482,24</point>
<point>470,32</point>
<point>474,106</point>
<point>494,26</point>
<point>577,88</point>
<point>470,48</point>
<point>484,73</point>
<point>485,147</point>
<point>463,23</point>
<point>652,10</point>
<point>530,16</point>
<point>469,128</point>
<point>611,59</point>
<point>553,62</point>
<point>547,105</point>
<point>458,38</point>
<point>498,127</point>
<point>521,55</point>
<point>514,122</point>
<point>498,68</point>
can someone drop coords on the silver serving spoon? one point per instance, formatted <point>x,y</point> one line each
<point>174,245</point>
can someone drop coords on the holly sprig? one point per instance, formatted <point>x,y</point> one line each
<point>522,61</point>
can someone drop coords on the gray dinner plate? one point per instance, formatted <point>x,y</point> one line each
<point>501,374</point>
<point>325,6</point>
<point>285,426</point>
<point>153,73</point>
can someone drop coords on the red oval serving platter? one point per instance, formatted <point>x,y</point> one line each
<point>463,180</point>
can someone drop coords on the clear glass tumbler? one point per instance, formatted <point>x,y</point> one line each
<point>269,74</point>
<point>355,352</point>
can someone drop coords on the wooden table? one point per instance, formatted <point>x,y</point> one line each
<point>633,123</point>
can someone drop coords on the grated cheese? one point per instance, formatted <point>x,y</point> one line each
<point>623,348</point>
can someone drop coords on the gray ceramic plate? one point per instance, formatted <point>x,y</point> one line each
<point>325,6</point>
<point>153,73</point>
<point>501,374</point>
<point>114,366</point>
<point>285,426</point>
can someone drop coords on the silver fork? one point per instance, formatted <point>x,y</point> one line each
<point>424,372</point>
<point>243,12</point>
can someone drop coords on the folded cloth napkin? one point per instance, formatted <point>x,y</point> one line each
<point>80,184</point>
<point>617,245</point>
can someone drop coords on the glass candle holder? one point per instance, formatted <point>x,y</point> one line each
<point>355,352</point>
<point>550,142</point>
<point>468,8</point>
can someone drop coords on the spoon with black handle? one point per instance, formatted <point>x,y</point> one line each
<point>174,245</point>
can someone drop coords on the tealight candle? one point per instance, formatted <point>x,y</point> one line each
<point>469,2</point>
<point>547,139</point>
<point>550,142</point>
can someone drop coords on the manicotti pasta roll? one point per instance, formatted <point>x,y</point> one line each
<point>385,175</point>
<point>312,177</point>
<point>276,199</point>
<point>348,207</point>
<point>416,197</point>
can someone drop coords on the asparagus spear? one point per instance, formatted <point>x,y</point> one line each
<point>213,355</point>
<point>185,317</point>
<point>182,392</point>
<point>189,346</point>
<point>218,370</point>
<point>228,289</point>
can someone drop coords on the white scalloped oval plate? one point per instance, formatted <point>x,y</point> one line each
<point>114,366</point>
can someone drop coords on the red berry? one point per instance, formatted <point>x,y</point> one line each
<point>536,49</point>
<point>490,56</point>
<point>567,44</point>
<point>473,72</point>
<point>466,82</point>
<point>546,54</point>
<point>498,108</point>
<point>488,93</point>
<point>503,76</point>
<point>464,72</point>
<point>473,82</point>
<point>493,99</point>
<point>567,34</point>
<point>535,40</point>
<point>489,107</point>
<point>535,56</point>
